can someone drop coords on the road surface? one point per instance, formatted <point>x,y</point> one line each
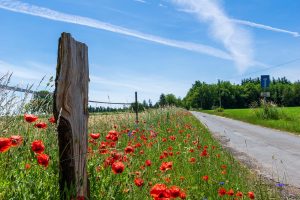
<point>275,153</point>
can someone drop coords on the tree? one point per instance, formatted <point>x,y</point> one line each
<point>42,102</point>
<point>162,100</point>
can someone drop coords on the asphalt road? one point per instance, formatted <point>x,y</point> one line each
<point>275,153</point>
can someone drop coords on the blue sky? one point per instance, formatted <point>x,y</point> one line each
<point>152,47</point>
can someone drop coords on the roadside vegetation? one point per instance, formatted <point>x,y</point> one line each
<point>281,118</point>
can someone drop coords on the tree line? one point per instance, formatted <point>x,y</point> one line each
<point>227,95</point>
<point>200,96</point>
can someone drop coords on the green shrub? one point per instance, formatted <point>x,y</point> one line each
<point>268,110</point>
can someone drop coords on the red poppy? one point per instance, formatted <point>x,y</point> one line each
<point>42,125</point>
<point>129,149</point>
<point>51,120</point>
<point>182,195</point>
<point>148,163</point>
<point>205,178</point>
<point>37,146</point>
<point>30,118</point>
<point>159,191</point>
<point>251,195</point>
<point>172,137</point>
<point>174,191</point>
<point>112,135</point>
<point>166,166</point>
<point>138,182</point>
<point>43,159</point>
<point>117,167</point>
<point>95,135</point>
<point>230,192</point>
<point>192,160</point>
<point>27,166</point>
<point>223,166</point>
<point>204,153</point>
<point>239,194</point>
<point>222,191</point>
<point>5,144</point>
<point>16,140</point>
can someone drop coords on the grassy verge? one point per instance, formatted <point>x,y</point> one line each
<point>183,156</point>
<point>290,122</point>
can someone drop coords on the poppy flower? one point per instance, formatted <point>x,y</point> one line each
<point>172,137</point>
<point>5,144</point>
<point>192,160</point>
<point>138,182</point>
<point>205,178</point>
<point>16,140</point>
<point>239,194</point>
<point>166,166</point>
<point>30,118</point>
<point>117,167</point>
<point>230,192</point>
<point>129,149</point>
<point>159,191</point>
<point>148,163</point>
<point>204,153</point>
<point>27,166</point>
<point>95,135</point>
<point>222,191</point>
<point>42,125</point>
<point>251,195</point>
<point>174,191</point>
<point>51,120</point>
<point>37,146</point>
<point>112,135</point>
<point>43,159</point>
<point>182,195</point>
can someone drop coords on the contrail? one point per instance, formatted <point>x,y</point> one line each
<point>251,24</point>
<point>20,7</point>
<point>270,28</point>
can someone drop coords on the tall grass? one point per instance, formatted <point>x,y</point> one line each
<point>163,135</point>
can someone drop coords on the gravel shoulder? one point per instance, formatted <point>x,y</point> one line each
<point>274,154</point>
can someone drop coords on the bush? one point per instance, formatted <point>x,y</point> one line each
<point>267,110</point>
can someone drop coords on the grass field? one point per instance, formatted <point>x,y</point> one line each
<point>168,155</point>
<point>289,122</point>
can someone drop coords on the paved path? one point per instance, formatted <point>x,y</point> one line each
<point>277,152</point>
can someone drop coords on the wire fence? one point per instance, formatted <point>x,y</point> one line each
<point>134,104</point>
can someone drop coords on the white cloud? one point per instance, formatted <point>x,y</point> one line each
<point>266,27</point>
<point>162,5</point>
<point>140,1</point>
<point>236,40</point>
<point>17,6</point>
<point>21,72</point>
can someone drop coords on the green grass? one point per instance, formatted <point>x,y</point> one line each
<point>290,120</point>
<point>189,139</point>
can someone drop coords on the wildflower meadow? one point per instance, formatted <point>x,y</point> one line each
<point>168,154</point>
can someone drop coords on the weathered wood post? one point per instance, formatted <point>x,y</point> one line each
<point>70,109</point>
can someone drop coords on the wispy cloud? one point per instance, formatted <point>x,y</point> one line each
<point>21,72</point>
<point>140,1</point>
<point>266,27</point>
<point>162,5</point>
<point>236,40</point>
<point>253,24</point>
<point>20,7</point>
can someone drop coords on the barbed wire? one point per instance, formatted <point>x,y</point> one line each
<point>19,89</point>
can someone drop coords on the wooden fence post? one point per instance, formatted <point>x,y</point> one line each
<point>70,109</point>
